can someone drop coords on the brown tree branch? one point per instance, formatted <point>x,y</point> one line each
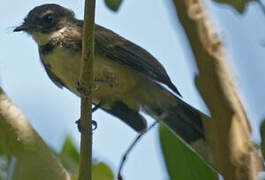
<point>34,158</point>
<point>228,132</point>
<point>86,82</point>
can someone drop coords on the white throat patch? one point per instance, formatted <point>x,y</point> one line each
<point>43,39</point>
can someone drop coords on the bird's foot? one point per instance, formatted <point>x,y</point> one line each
<point>83,130</point>
<point>108,82</point>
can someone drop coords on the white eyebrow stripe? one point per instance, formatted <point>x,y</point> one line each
<point>47,12</point>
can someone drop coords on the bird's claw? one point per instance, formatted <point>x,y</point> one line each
<point>84,130</point>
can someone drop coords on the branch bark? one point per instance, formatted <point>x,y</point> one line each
<point>86,81</point>
<point>34,158</point>
<point>228,132</point>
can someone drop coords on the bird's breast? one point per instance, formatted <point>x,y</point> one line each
<point>64,64</point>
<point>113,81</point>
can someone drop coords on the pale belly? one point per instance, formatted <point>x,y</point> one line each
<point>114,82</point>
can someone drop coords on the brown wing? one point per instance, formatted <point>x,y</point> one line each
<point>115,47</point>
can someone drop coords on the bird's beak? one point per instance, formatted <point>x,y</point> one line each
<point>22,27</point>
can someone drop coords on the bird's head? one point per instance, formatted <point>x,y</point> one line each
<point>46,22</point>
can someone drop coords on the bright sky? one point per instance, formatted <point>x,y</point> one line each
<point>151,24</point>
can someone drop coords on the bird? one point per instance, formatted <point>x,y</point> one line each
<point>128,79</point>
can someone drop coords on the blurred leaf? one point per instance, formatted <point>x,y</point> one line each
<point>102,172</point>
<point>262,134</point>
<point>113,4</point>
<point>74,177</point>
<point>69,149</point>
<point>1,148</point>
<point>99,172</point>
<point>181,162</point>
<point>69,156</point>
<point>239,5</point>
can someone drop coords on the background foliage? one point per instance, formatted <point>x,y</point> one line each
<point>239,44</point>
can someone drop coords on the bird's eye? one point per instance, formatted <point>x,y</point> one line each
<point>48,19</point>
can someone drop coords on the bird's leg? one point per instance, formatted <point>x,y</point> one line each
<point>108,82</point>
<point>109,77</point>
<point>83,90</point>
<point>97,106</point>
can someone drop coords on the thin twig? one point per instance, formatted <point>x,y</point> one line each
<point>86,83</point>
<point>124,157</point>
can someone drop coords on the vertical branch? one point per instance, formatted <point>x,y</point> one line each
<point>86,82</point>
<point>228,131</point>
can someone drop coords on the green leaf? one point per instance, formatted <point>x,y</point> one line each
<point>70,150</point>
<point>113,4</point>
<point>1,148</point>
<point>102,172</point>
<point>239,5</point>
<point>181,161</point>
<point>69,156</point>
<point>74,177</point>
